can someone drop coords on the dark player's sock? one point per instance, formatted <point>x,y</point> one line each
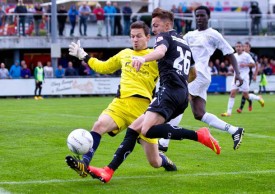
<point>171,132</point>
<point>125,148</point>
<point>249,102</point>
<point>88,157</point>
<point>242,102</point>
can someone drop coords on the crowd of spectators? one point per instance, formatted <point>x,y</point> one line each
<point>265,65</point>
<point>65,69</point>
<point>116,18</point>
<point>32,20</point>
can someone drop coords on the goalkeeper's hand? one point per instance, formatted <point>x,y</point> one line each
<point>76,50</point>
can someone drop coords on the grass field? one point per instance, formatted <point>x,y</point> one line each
<point>33,147</point>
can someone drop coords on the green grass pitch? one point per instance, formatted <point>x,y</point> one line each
<point>33,147</point>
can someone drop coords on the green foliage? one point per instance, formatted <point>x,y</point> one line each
<point>33,147</point>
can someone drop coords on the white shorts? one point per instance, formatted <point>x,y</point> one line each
<point>244,87</point>
<point>199,86</point>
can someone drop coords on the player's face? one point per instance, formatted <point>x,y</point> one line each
<point>201,19</point>
<point>246,48</point>
<point>139,39</point>
<point>159,26</point>
<point>239,48</point>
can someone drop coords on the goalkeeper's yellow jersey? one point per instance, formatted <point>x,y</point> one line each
<point>132,83</point>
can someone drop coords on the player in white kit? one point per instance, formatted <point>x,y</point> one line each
<point>245,62</point>
<point>203,42</point>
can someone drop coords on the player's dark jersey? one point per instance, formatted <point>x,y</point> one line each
<point>174,66</point>
<point>255,58</point>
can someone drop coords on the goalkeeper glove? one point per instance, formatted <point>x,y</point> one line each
<point>76,50</point>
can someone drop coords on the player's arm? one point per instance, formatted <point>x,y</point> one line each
<point>192,74</point>
<point>102,67</point>
<point>234,63</point>
<point>158,53</point>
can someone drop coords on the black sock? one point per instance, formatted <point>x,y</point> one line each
<point>125,148</point>
<point>171,132</point>
<point>242,102</point>
<point>88,156</point>
<point>249,102</point>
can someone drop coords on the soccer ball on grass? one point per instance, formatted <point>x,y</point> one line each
<point>80,141</point>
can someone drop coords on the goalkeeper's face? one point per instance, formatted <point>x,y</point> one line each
<point>139,39</point>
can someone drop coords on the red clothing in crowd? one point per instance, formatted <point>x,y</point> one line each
<point>99,12</point>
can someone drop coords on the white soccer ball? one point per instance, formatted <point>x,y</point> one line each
<point>80,141</point>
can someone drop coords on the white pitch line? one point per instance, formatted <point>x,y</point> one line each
<point>139,177</point>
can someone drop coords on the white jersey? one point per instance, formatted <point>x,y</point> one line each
<point>203,44</point>
<point>48,71</point>
<point>244,58</point>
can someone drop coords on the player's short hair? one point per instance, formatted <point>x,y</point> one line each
<point>140,25</point>
<point>248,44</point>
<point>239,42</point>
<point>204,8</point>
<point>163,14</point>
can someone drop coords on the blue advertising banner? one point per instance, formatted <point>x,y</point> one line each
<point>218,84</point>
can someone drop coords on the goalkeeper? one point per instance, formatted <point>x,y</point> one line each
<point>134,95</point>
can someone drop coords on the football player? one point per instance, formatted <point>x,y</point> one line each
<point>245,62</point>
<point>174,62</point>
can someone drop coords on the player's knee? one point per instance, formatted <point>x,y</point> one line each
<point>143,132</point>
<point>198,116</point>
<point>99,127</point>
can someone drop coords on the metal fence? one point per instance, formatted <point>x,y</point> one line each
<point>227,24</point>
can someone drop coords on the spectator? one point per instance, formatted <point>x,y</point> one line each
<point>25,71</point>
<point>84,69</point>
<point>127,11</point>
<point>84,13</point>
<point>99,13</point>
<point>188,21</point>
<point>4,72</point>
<point>61,18</point>
<point>39,78</point>
<point>21,9</point>
<point>38,13</point>
<point>177,21</point>
<point>109,11</point>
<point>70,70</point>
<point>15,70</point>
<point>2,16</point>
<point>217,64</point>
<point>223,69</point>
<point>255,15</point>
<point>213,70</point>
<point>267,69</point>
<point>59,72</point>
<point>73,13</point>
<point>117,25</point>
<point>272,64</point>
<point>48,70</point>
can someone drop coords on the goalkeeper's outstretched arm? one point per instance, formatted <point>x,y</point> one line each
<point>76,51</point>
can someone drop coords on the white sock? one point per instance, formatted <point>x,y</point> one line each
<point>253,97</point>
<point>173,122</point>
<point>214,121</point>
<point>230,105</point>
